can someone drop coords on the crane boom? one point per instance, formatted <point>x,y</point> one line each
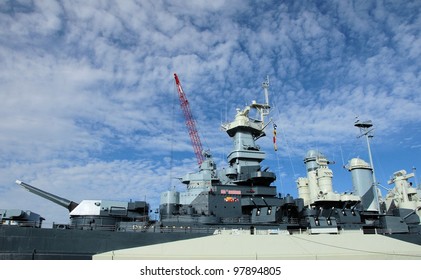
<point>190,123</point>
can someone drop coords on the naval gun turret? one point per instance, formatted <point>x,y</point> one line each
<point>21,218</point>
<point>99,214</point>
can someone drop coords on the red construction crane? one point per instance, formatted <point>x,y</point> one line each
<point>191,124</point>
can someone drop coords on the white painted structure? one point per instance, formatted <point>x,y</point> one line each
<point>272,244</point>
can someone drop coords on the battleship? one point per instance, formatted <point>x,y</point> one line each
<point>234,212</point>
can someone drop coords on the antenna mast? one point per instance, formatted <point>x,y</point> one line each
<point>264,109</point>
<point>366,129</point>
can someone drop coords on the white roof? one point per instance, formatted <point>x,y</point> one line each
<point>352,245</point>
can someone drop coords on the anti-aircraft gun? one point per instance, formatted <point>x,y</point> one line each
<point>99,214</point>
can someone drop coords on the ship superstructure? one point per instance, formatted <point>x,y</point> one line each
<point>240,194</point>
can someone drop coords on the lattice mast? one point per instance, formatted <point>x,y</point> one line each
<point>190,122</point>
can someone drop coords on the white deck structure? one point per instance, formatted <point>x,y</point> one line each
<point>270,245</point>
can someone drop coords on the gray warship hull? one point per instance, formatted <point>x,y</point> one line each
<point>27,243</point>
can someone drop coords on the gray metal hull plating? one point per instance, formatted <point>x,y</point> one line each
<point>19,243</point>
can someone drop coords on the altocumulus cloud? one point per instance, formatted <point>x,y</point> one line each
<point>89,110</point>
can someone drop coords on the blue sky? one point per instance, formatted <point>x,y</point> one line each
<point>89,109</point>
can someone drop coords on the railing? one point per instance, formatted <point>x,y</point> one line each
<point>186,229</point>
<point>242,220</point>
<point>243,227</point>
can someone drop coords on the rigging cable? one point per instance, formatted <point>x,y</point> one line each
<point>288,152</point>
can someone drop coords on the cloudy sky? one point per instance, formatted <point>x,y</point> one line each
<point>89,110</point>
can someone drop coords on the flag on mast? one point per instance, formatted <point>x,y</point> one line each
<point>274,137</point>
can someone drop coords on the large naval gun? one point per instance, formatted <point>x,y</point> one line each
<point>240,197</point>
<point>98,214</point>
<point>95,226</point>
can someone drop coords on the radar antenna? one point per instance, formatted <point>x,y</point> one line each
<point>264,109</point>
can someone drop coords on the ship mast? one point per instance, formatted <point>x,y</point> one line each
<point>245,158</point>
<point>366,129</point>
<point>263,109</point>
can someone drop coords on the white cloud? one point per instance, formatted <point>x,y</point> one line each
<point>87,89</point>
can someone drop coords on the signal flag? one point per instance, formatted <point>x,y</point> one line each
<point>274,137</point>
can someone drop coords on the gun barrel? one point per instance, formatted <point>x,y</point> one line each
<point>68,204</point>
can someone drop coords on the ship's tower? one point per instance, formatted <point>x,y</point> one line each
<point>244,160</point>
